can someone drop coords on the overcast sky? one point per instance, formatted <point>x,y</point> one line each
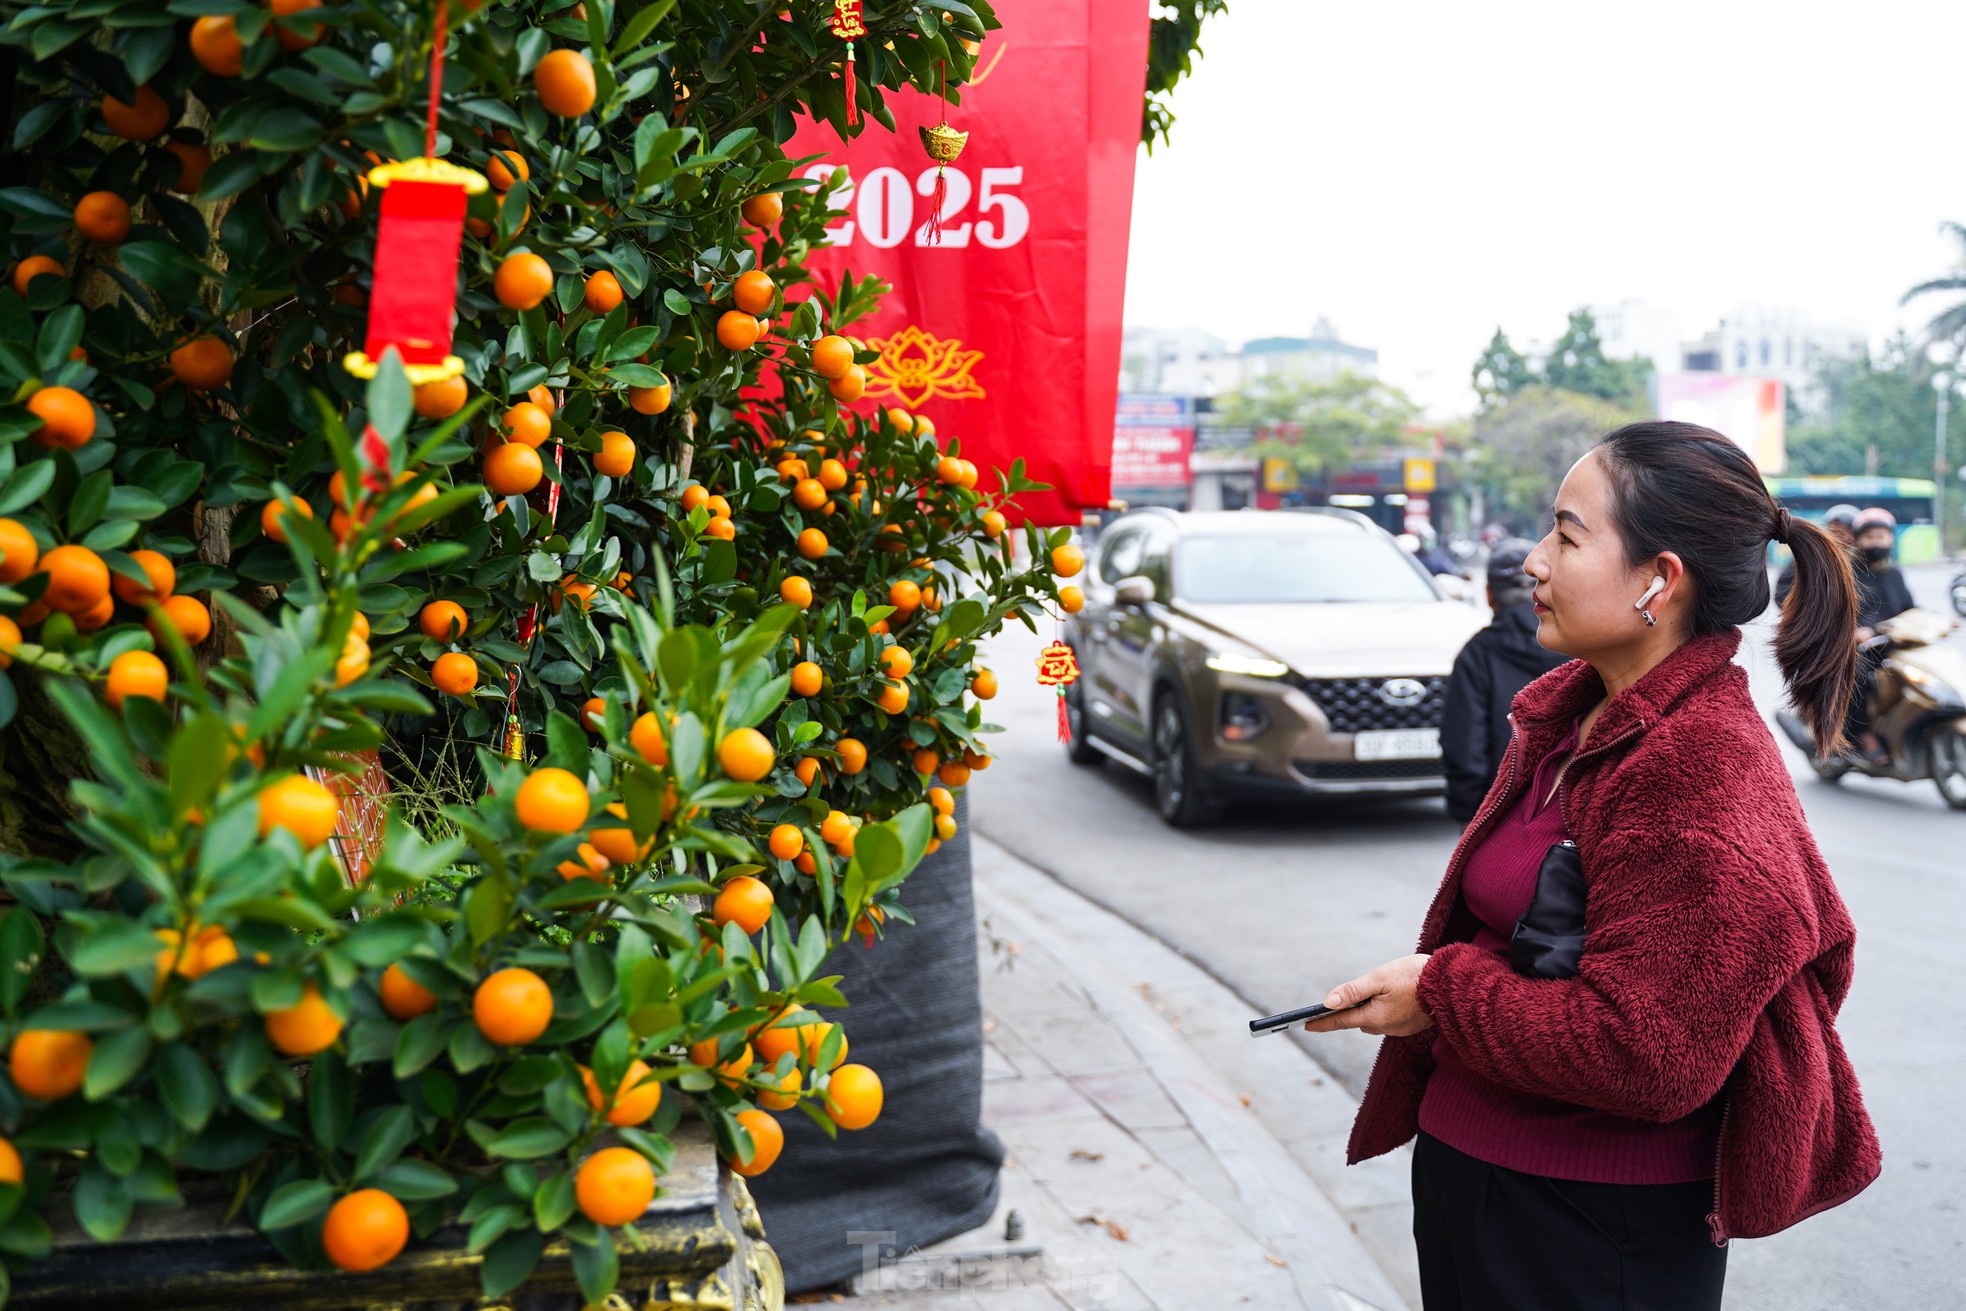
<point>1422,172</point>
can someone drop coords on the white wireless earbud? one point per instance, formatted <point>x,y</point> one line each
<point>1657,586</point>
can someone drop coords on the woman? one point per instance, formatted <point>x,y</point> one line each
<point>1591,1142</point>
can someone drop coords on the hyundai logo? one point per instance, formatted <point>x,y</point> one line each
<point>1402,692</point>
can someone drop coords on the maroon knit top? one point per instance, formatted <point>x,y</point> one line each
<point>1521,1131</point>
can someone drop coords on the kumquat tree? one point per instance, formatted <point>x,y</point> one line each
<point>427,780</point>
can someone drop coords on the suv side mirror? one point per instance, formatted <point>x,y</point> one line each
<point>1136,590</point>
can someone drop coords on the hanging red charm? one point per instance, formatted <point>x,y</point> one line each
<point>848,28</point>
<point>943,144</point>
<point>1058,665</point>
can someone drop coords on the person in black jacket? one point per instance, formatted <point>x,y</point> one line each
<point>1882,594</point>
<point>1497,662</point>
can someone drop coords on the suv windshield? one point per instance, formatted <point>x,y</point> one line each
<point>1295,567</point>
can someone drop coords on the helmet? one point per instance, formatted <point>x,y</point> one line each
<point>1874,517</point>
<point>1843,514</point>
<point>1505,565</point>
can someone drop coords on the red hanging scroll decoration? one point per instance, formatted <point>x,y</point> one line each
<point>418,235</point>
<point>848,28</point>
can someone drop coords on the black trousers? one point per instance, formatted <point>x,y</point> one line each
<point>1494,1239</point>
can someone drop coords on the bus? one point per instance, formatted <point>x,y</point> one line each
<point>1908,499</point>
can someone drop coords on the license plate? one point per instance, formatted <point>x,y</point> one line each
<point>1398,744</point>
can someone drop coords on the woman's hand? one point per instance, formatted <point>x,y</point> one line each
<point>1395,1006</point>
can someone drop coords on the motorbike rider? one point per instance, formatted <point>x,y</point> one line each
<point>1882,594</point>
<point>1497,662</point>
<point>1841,521</point>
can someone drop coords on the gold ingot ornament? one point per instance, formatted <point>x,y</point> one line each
<point>943,143</point>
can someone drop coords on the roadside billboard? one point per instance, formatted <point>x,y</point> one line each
<point>1153,438</point>
<point>1752,411</point>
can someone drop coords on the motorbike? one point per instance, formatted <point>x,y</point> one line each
<point>1917,709</point>
<point>1959,594</point>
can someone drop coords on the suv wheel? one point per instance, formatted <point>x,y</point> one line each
<point>1177,781</point>
<point>1078,744</point>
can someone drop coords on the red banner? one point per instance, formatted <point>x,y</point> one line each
<point>1006,330</point>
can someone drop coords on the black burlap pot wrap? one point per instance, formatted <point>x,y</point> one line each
<point>927,1168</point>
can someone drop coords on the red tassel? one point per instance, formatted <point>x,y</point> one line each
<point>1064,720</point>
<point>846,87</point>
<point>375,455</point>
<point>935,204</point>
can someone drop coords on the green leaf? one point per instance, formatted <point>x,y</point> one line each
<point>164,268</point>
<point>383,939</point>
<point>21,945</point>
<point>415,1181</point>
<point>26,1234</point>
<point>189,1090</point>
<point>102,1203</point>
<point>421,1042</point>
<point>26,485</point>
<point>488,907</point>
<point>633,33</point>
<point>390,397</point>
<point>553,1203</point>
<point>127,502</point>
<point>510,1260</point>
<point>296,1203</point>
<point>113,948</point>
<point>591,966</point>
<point>90,500</point>
<point>597,1267</point>
<point>529,1139</point>
<point>117,1058</point>
<point>285,128</point>
<point>331,1100</point>
<point>393,1130</point>
<point>199,756</point>
<point>675,302</point>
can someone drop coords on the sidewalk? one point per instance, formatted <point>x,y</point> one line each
<point>1159,1157</point>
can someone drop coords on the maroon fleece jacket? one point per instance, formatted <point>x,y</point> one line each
<point>1718,951</point>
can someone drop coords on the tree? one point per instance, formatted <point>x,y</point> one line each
<point>1173,43</point>
<point>1948,327</point>
<point>589,572</point>
<point>1522,448</point>
<point>1501,371</point>
<point>1320,425</point>
<point>1577,363</point>
<point>1878,416</point>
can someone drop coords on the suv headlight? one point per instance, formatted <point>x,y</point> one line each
<point>1224,662</point>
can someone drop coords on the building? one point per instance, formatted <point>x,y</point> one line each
<point>1169,382</point>
<point>1774,341</point>
<point>1196,364</point>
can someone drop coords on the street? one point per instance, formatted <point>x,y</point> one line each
<point>1279,903</point>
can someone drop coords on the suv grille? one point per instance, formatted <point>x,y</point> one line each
<point>1367,771</point>
<point>1354,705</point>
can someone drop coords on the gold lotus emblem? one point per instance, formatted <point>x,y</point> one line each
<point>943,142</point>
<point>915,367</point>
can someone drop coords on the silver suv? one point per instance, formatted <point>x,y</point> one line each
<point>1247,654</point>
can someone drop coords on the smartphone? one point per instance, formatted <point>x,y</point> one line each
<point>1302,1015</point>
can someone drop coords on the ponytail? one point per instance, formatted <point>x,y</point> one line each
<point>1815,643</point>
<point>1683,488</point>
